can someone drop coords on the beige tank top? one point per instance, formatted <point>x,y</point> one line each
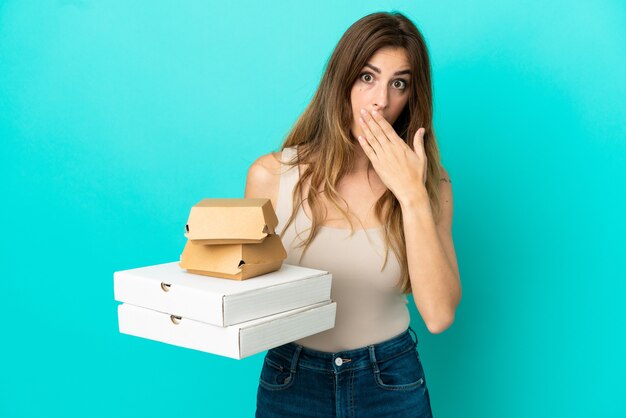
<point>369,308</point>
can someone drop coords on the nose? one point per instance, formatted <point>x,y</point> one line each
<point>380,98</point>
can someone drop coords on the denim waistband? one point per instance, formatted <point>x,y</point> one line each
<point>350,359</point>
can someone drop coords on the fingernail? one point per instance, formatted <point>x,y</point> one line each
<point>363,111</point>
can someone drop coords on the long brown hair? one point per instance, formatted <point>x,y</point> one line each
<point>327,146</point>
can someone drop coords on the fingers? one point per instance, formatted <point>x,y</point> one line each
<point>373,125</point>
<point>370,138</point>
<point>384,126</point>
<point>367,148</point>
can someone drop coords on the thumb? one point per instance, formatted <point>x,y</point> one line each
<point>418,140</point>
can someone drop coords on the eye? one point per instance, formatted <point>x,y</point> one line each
<point>402,84</point>
<point>365,74</point>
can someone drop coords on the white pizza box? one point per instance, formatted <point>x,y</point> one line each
<point>169,288</point>
<point>235,341</point>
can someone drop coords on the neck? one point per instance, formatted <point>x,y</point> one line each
<point>361,163</point>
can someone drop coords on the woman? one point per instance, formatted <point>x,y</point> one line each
<point>363,151</point>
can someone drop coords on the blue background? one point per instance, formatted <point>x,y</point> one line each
<point>116,117</point>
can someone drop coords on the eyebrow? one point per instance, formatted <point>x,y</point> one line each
<point>378,70</point>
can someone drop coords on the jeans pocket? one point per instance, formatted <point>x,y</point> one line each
<point>400,372</point>
<point>276,372</point>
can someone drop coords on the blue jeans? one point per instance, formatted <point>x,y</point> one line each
<point>378,380</point>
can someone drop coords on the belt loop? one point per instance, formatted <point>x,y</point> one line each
<point>413,332</point>
<point>294,359</point>
<point>373,358</point>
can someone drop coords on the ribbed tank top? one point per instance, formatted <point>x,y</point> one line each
<point>369,308</point>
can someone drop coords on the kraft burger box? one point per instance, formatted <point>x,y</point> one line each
<point>234,261</point>
<point>231,221</point>
<point>232,239</point>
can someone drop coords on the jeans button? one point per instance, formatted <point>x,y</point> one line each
<point>338,361</point>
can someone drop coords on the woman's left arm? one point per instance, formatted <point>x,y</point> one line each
<point>433,267</point>
<point>432,264</point>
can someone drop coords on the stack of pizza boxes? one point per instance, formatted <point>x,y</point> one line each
<point>230,294</point>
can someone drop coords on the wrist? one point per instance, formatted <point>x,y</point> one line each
<point>417,199</point>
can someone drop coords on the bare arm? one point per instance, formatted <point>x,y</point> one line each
<point>433,267</point>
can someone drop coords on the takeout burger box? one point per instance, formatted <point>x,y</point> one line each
<point>216,301</point>
<point>231,221</point>
<point>234,261</point>
<point>232,239</point>
<point>235,341</point>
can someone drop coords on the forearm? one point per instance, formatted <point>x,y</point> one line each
<point>434,282</point>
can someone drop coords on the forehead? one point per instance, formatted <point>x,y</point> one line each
<point>391,57</point>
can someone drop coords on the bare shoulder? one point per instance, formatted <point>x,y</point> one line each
<point>263,178</point>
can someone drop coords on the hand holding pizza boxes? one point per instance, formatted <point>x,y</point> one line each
<point>237,297</point>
